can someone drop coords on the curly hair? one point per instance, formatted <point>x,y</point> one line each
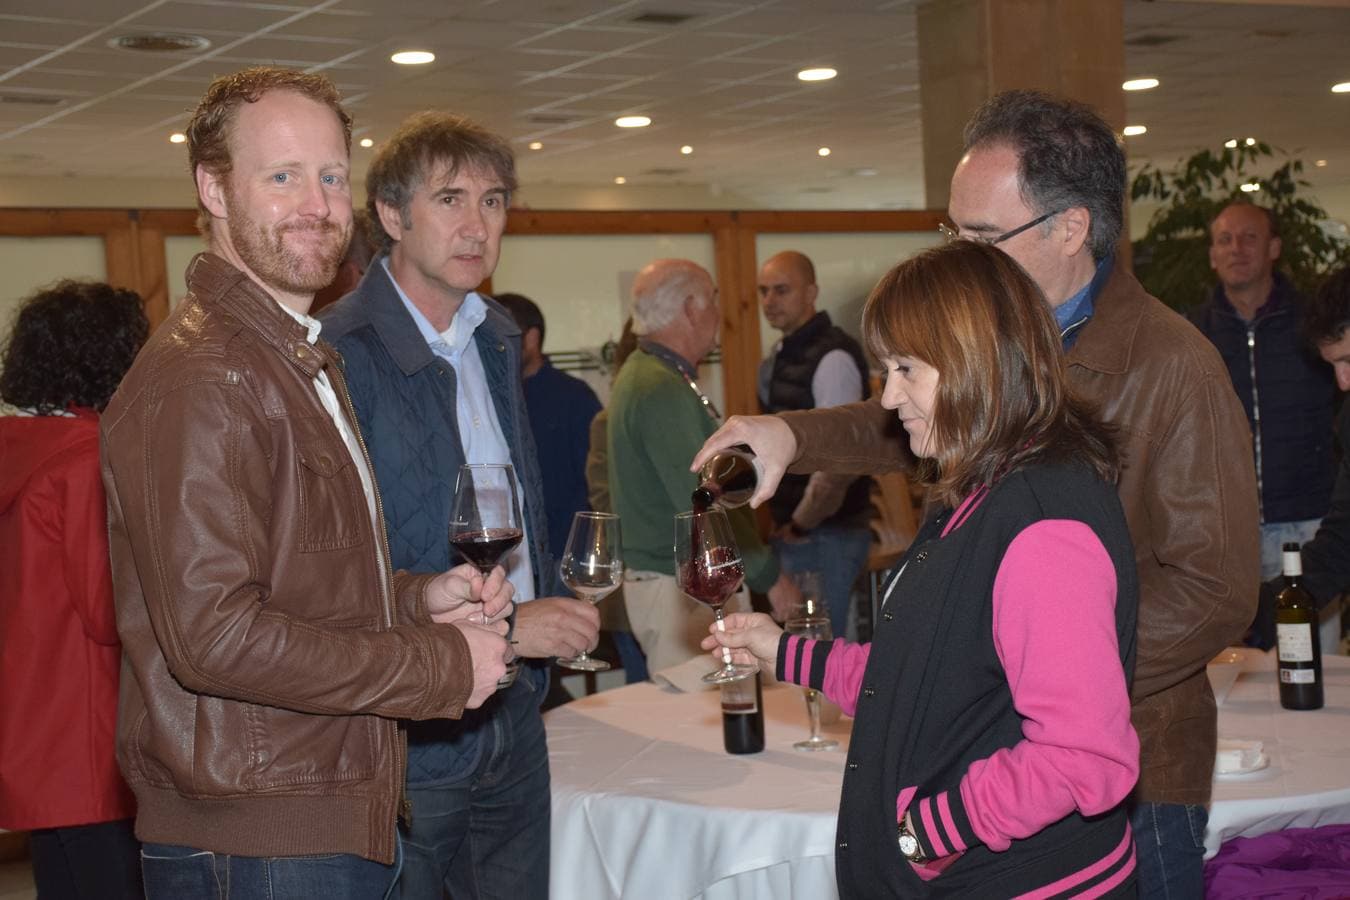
<point>72,342</point>
<point>209,130</point>
<point>1003,398</point>
<point>1327,315</point>
<point>1067,156</point>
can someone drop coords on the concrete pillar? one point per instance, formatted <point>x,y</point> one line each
<point>970,50</point>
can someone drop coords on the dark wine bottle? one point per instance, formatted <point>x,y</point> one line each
<point>728,479</point>
<point>1298,648</point>
<point>743,715</point>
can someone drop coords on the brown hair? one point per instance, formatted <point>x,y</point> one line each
<point>424,141</point>
<point>969,311</point>
<point>208,132</point>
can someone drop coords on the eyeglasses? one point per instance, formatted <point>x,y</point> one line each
<point>952,234</point>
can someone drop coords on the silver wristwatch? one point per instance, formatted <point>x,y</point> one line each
<point>909,844</point>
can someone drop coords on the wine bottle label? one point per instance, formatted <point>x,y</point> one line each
<point>1298,676</point>
<point>1295,643</point>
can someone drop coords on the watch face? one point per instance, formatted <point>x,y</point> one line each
<point>909,844</point>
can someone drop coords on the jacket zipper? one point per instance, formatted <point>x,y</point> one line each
<point>403,805</point>
<point>1256,419</point>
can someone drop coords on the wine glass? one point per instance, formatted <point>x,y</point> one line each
<point>810,620</point>
<point>592,567</point>
<point>485,523</point>
<point>708,568</point>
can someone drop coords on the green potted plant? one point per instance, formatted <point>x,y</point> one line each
<point>1172,258</point>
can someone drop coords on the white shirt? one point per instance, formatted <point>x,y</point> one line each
<point>480,433</point>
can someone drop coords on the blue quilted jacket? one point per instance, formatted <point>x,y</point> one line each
<point>404,396</point>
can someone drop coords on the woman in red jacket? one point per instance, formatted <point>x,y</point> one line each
<point>59,652</point>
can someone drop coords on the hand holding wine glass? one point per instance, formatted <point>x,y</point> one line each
<point>465,594</point>
<point>592,567</point>
<point>752,638</point>
<point>709,569</point>
<point>485,522</point>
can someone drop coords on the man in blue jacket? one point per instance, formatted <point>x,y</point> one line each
<point>434,373</point>
<point>1254,318</point>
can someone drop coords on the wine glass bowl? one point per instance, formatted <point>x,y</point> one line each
<point>592,567</point>
<point>708,568</point>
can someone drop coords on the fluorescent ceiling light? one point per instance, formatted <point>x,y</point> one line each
<point>1251,186</point>
<point>1342,88</point>
<point>620,180</point>
<point>177,137</point>
<point>1132,130</point>
<point>823,151</point>
<point>1140,84</point>
<point>686,149</point>
<point>1231,143</point>
<point>632,121</point>
<point>413,57</point>
<point>536,145</point>
<point>367,142</point>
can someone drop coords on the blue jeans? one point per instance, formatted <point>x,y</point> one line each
<point>1170,841</point>
<point>486,834</point>
<point>185,873</point>
<point>839,555</point>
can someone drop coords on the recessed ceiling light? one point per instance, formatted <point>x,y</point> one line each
<point>1342,88</point>
<point>632,121</point>
<point>1132,130</point>
<point>823,73</point>
<point>1140,84</point>
<point>413,57</point>
<point>1231,143</point>
<point>1321,164</point>
<point>866,172</point>
<point>1250,142</point>
<point>823,151</point>
<point>620,180</point>
<point>1251,186</point>
<point>177,137</point>
<point>367,142</point>
<point>536,145</point>
<point>686,149</point>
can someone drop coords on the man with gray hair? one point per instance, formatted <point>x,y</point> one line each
<point>658,417</point>
<point>1043,179</point>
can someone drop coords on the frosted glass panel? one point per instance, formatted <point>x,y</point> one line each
<point>847,267</point>
<point>33,262</point>
<point>581,284</point>
<point>178,252</point>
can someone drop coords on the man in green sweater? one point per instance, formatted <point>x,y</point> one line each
<point>658,419</point>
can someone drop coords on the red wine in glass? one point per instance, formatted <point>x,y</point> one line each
<point>486,547</point>
<point>709,569</point>
<point>485,523</point>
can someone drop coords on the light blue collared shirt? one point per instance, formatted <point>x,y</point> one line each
<point>480,433</point>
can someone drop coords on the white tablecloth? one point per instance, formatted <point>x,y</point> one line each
<point>1307,783</point>
<point>647,804</point>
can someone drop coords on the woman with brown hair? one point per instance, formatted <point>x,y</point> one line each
<point>992,747</point>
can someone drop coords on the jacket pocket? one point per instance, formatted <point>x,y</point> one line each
<point>291,750</point>
<point>332,507</point>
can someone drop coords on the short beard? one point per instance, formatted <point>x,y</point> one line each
<point>265,252</point>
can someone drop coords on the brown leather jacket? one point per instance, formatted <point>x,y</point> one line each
<point>1188,487</point>
<point>267,657</point>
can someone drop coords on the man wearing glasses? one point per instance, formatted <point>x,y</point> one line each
<point>1044,180</point>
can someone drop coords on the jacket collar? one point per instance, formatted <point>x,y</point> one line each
<point>401,337</point>
<point>215,282</point>
<point>1279,301</point>
<point>1105,343</point>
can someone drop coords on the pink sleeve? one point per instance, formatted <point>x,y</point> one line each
<point>1055,633</point>
<point>835,668</point>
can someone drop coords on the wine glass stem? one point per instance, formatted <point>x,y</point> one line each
<point>813,713</point>
<point>722,626</point>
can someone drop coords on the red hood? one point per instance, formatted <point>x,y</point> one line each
<point>30,443</point>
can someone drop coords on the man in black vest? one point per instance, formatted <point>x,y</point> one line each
<point>820,520</point>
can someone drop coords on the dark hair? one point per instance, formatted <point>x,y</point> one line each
<point>1067,156</point>
<point>1003,401</point>
<point>72,342</point>
<point>1271,220</point>
<point>424,141</point>
<point>525,311</point>
<point>208,132</point>
<point>1327,315</point>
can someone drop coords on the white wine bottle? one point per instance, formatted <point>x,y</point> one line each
<point>1298,647</point>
